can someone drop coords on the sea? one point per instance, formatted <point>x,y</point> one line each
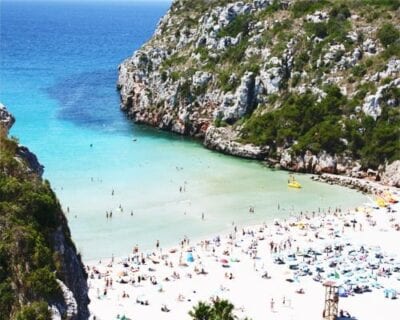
<point>59,67</point>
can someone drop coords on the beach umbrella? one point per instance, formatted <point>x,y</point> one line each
<point>353,253</point>
<point>189,257</point>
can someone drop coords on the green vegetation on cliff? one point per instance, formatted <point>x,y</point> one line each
<point>327,125</point>
<point>29,216</point>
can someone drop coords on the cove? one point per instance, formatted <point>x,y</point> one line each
<point>58,73</point>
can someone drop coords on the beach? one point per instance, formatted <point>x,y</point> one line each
<point>269,271</point>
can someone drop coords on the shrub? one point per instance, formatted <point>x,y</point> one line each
<point>225,81</point>
<point>295,80</point>
<point>175,75</point>
<point>340,11</point>
<point>34,311</point>
<point>238,25</point>
<point>41,206</point>
<point>338,29</point>
<point>6,297</point>
<point>391,4</point>
<point>359,70</point>
<point>164,76</point>
<point>203,51</point>
<point>392,50</point>
<point>42,283</point>
<point>319,29</point>
<point>301,60</point>
<point>272,8</point>
<point>300,8</point>
<point>388,34</point>
<point>323,136</point>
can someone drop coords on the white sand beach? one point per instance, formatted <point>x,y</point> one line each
<point>256,265</point>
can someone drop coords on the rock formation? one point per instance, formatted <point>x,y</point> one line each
<point>42,220</point>
<point>214,68</point>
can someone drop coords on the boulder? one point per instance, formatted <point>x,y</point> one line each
<point>391,176</point>
<point>225,140</point>
<point>6,118</point>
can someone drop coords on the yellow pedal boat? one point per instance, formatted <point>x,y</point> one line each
<point>381,202</point>
<point>294,184</point>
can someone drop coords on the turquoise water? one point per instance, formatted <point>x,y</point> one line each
<point>58,74</point>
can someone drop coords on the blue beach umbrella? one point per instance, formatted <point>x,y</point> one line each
<point>189,257</point>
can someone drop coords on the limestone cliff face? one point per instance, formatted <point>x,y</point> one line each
<point>35,240</point>
<point>225,63</point>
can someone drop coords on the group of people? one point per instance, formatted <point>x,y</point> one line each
<point>259,244</point>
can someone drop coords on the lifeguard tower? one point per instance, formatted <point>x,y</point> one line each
<point>331,301</point>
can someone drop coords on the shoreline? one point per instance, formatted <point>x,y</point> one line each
<point>224,144</point>
<point>367,187</point>
<point>245,272</point>
<point>363,185</point>
<point>225,231</point>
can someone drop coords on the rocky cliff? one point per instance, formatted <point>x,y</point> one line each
<point>41,273</point>
<point>307,85</point>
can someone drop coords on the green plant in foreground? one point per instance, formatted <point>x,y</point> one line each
<point>217,310</point>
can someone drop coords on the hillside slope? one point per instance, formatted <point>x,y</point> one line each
<point>310,85</point>
<point>41,274</point>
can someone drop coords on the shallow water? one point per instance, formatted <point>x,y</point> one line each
<point>58,74</point>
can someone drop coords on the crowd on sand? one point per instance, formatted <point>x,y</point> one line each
<point>275,270</point>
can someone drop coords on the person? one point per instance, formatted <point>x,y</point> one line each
<point>202,216</point>
<point>164,308</point>
<point>272,304</point>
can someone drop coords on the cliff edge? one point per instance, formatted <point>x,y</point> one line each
<point>41,273</point>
